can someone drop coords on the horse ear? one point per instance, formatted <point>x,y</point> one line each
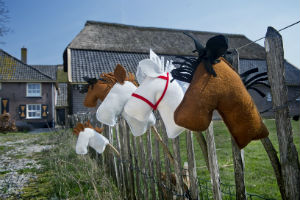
<point>120,73</point>
<point>218,45</point>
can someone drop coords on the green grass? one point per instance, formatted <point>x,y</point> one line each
<point>259,174</point>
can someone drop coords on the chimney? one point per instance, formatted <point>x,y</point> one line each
<point>24,55</point>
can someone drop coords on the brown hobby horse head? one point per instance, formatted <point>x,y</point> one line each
<point>99,88</point>
<point>214,85</point>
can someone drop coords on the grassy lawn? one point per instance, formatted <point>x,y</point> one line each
<point>63,174</point>
<point>259,175</point>
<point>66,175</point>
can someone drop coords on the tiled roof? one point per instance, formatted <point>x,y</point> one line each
<point>12,70</point>
<point>62,97</point>
<point>50,70</point>
<point>92,63</point>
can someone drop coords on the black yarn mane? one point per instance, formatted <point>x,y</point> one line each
<point>215,47</point>
<point>251,79</point>
<point>90,82</point>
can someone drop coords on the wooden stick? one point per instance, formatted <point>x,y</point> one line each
<point>165,148</point>
<point>114,149</point>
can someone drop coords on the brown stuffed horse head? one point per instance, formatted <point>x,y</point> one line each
<point>80,127</point>
<point>98,89</point>
<point>220,88</point>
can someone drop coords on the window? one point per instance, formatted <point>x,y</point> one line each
<point>269,97</point>
<point>0,86</point>
<point>0,106</point>
<point>33,111</point>
<point>298,98</point>
<point>33,90</point>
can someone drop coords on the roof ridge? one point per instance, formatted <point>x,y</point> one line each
<point>92,22</point>
<point>31,67</point>
<point>44,65</point>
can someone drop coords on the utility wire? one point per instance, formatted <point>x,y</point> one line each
<point>265,36</point>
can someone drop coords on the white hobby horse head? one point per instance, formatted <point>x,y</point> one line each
<point>113,104</point>
<point>156,91</point>
<point>90,136</point>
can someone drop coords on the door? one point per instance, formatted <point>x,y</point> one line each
<point>61,116</point>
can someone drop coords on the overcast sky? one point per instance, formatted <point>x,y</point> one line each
<point>46,27</point>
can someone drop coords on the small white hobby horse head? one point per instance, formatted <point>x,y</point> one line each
<point>113,104</point>
<point>156,91</point>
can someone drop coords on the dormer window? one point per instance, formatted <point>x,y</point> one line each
<point>33,90</point>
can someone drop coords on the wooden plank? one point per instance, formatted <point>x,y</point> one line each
<point>272,153</point>
<point>203,145</point>
<point>129,158</point>
<point>124,157</point>
<point>213,163</point>
<point>237,154</point>
<point>239,169</point>
<point>276,75</point>
<point>136,166</point>
<point>168,194</point>
<point>113,156</point>
<point>193,179</point>
<point>142,164</point>
<point>150,163</point>
<point>177,166</point>
<point>118,161</point>
<point>164,146</point>
<point>158,168</point>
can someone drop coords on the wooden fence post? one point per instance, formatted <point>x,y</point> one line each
<point>129,158</point>
<point>169,194</point>
<point>136,166</point>
<point>124,157</point>
<point>203,145</point>
<point>177,166</point>
<point>213,163</point>
<point>143,165</point>
<point>150,162</point>
<point>275,164</point>
<point>192,165</point>
<point>237,154</point>
<point>276,74</point>
<point>119,160</point>
<point>158,168</point>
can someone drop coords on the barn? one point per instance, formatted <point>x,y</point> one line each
<point>99,46</point>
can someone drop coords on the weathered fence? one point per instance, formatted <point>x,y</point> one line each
<point>146,171</point>
<point>149,169</point>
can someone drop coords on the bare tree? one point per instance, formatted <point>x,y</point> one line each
<point>3,19</point>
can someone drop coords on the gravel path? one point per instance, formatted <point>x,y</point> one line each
<point>17,165</point>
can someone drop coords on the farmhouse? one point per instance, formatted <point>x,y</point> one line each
<point>27,92</point>
<point>100,46</point>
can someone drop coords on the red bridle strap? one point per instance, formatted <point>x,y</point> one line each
<point>154,106</point>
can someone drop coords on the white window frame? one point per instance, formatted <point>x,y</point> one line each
<point>35,95</point>
<point>37,111</point>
